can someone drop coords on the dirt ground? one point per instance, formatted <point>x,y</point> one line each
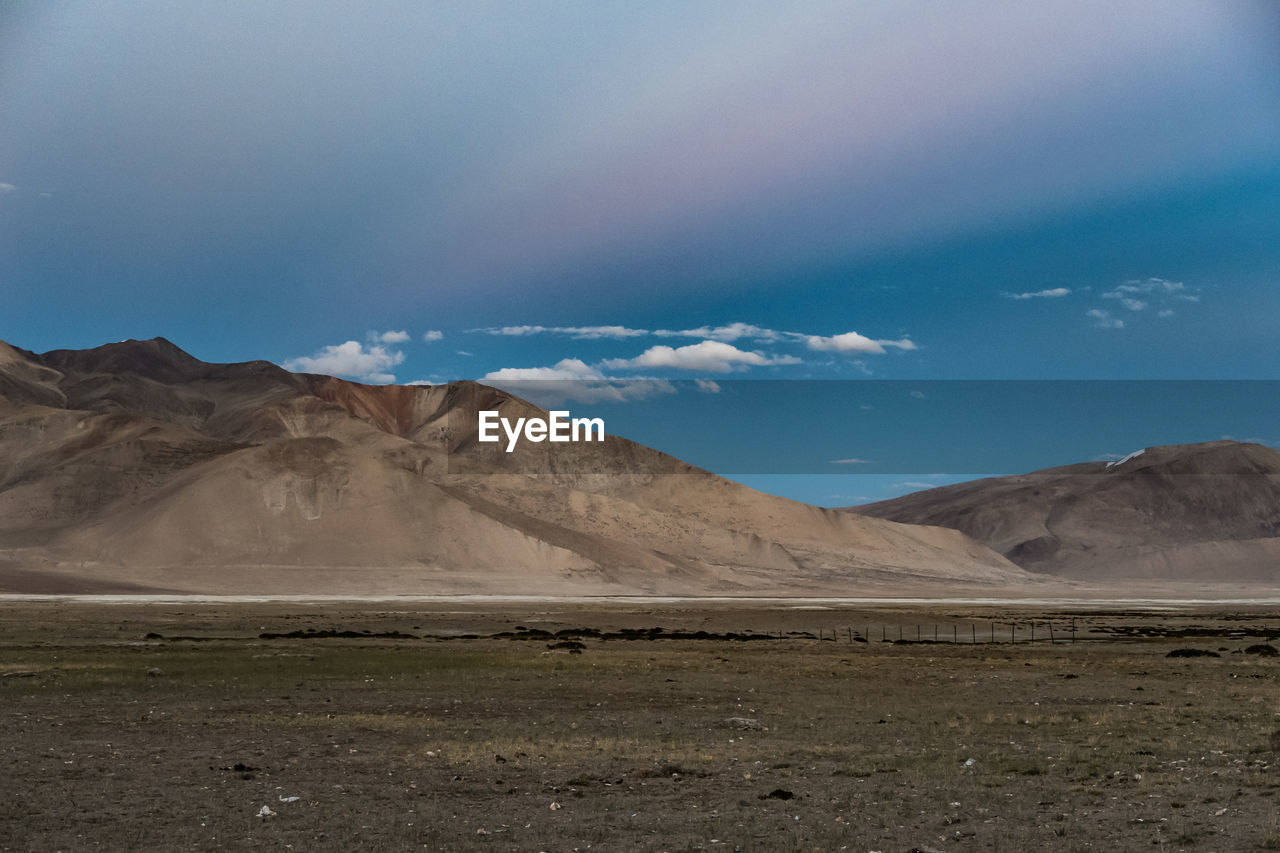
<point>452,726</point>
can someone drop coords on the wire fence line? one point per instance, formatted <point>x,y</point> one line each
<point>967,633</point>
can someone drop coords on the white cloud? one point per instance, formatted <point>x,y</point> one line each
<point>854,342</point>
<point>578,332</point>
<point>6,188</point>
<point>1123,294</point>
<point>1157,288</point>
<point>1103,319</point>
<point>729,332</point>
<point>1148,285</point>
<point>433,335</point>
<point>851,461</point>
<point>1051,293</point>
<point>514,330</point>
<point>713,356</point>
<point>1141,293</point>
<point>465,353</point>
<point>715,351</point>
<point>390,337</point>
<point>708,386</point>
<point>848,342</point>
<point>726,333</point>
<point>565,368</point>
<point>352,360</point>
<point>919,395</point>
<point>589,333</point>
<point>573,379</point>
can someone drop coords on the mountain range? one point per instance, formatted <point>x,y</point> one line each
<point>1207,512</point>
<point>136,467</point>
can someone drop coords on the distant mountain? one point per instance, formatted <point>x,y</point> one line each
<point>1200,512</point>
<point>134,466</point>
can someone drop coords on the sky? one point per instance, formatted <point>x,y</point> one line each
<point>618,196</point>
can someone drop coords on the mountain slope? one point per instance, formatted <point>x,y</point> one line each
<point>1203,512</point>
<point>136,466</point>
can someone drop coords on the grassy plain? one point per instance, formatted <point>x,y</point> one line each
<point>170,727</point>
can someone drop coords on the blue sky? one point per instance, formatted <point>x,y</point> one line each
<point>606,193</point>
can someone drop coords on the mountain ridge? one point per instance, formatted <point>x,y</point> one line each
<point>1208,511</point>
<point>137,464</point>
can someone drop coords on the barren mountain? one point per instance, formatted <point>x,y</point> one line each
<point>1201,512</point>
<point>135,467</point>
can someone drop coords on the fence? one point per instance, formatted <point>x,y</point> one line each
<point>1029,631</point>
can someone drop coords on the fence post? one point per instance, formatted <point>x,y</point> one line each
<point>973,629</point>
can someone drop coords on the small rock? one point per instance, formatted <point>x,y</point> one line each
<point>778,794</point>
<point>155,672</point>
<point>744,724</point>
<point>265,811</point>
<point>969,762</point>
<point>555,807</point>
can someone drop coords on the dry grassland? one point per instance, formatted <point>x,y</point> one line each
<point>115,741</point>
